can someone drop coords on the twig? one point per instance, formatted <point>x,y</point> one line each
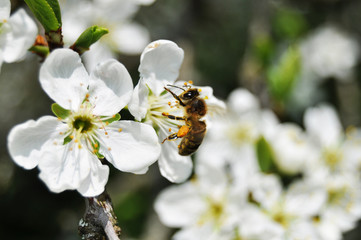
<point>99,221</point>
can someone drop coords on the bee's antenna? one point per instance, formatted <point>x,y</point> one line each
<point>175,87</point>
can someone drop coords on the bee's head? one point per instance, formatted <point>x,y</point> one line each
<point>189,94</point>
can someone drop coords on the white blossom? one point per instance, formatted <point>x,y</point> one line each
<point>17,33</point>
<point>66,149</point>
<point>159,67</point>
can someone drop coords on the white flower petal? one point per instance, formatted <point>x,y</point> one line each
<point>21,36</point>
<point>97,53</point>
<point>180,206</point>
<point>27,141</point>
<point>214,105</point>
<point>110,88</point>
<point>174,167</point>
<point>130,146</point>
<point>4,10</point>
<point>64,167</point>
<point>130,38</point>
<point>95,183</point>
<point>323,124</point>
<point>161,60</point>
<point>138,105</point>
<point>64,78</point>
<point>241,101</point>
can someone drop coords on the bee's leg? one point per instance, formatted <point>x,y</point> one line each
<point>175,96</point>
<point>173,117</point>
<point>171,137</point>
<point>183,130</point>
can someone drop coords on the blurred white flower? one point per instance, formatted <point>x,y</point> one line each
<point>66,149</point>
<point>17,33</point>
<point>204,206</point>
<point>232,138</point>
<point>159,67</point>
<point>290,148</point>
<point>125,36</point>
<point>327,139</point>
<point>292,209</point>
<point>329,52</point>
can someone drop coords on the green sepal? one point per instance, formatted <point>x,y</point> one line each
<point>116,117</point>
<point>96,149</point>
<point>264,156</point>
<point>40,50</point>
<point>283,75</point>
<point>59,111</point>
<point>67,139</point>
<point>47,12</point>
<point>90,36</point>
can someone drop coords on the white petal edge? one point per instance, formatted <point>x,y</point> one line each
<point>110,88</point>
<point>130,146</point>
<point>26,141</point>
<point>95,183</point>
<point>21,36</point>
<point>180,206</point>
<point>138,105</point>
<point>4,10</point>
<point>64,78</point>
<point>161,60</point>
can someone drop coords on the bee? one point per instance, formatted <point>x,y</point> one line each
<point>194,130</point>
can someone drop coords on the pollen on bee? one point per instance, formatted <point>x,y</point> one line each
<point>120,129</point>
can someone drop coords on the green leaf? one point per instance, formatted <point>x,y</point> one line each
<point>88,37</point>
<point>54,4</point>
<point>264,156</point>
<point>47,12</point>
<point>40,50</point>
<point>59,111</point>
<point>289,23</point>
<point>116,117</point>
<point>283,75</point>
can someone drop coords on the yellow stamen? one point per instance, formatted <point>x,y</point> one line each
<point>120,129</point>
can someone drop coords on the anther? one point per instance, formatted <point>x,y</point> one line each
<point>169,129</point>
<point>190,82</point>
<point>120,129</point>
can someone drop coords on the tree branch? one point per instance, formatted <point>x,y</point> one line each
<point>99,221</point>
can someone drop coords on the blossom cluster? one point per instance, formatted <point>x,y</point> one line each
<point>257,178</point>
<point>67,148</point>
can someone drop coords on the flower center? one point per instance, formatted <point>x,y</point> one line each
<point>332,157</point>
<point>83,124</point>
